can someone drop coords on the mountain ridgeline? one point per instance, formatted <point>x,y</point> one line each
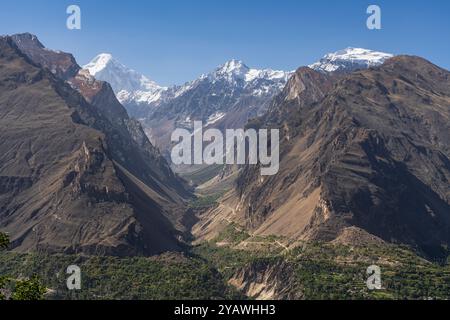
<point>365,158</point>
<point>77,175</point>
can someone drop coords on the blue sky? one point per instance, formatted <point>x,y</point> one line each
<point>173,41</point>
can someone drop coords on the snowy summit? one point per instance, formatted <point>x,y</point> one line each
<point>236,69</point>
<point>125,82</point>
<point>231,79</point>
<point>350,59</point>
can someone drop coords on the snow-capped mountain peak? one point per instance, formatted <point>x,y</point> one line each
<point>230,80</point>
<point>99,63</point>
<point>236,69</point>
<point>350,59</point>
<point>123,80</point>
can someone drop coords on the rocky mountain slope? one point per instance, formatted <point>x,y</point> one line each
<point>76,173</point>
<point>364,157</point>
<point>305,87</point>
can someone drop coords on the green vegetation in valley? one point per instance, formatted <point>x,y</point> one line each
<point>339,272</point>
<point>332,271</point>
<point>204,202</point>
<point>170,276</point>
<point>310,271</point>
<point>19,289</point>
<point>28,289</point>
<point>4,241</point>
<point>232,234</point>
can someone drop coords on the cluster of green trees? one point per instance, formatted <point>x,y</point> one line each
<point>19,289</point>
<point>4,241</point>
<point>313,271</point>
<point>331,271</point>
<point>169,276</point>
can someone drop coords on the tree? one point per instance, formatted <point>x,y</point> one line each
<point>4,241</point>
<point>3,281</point>
<point>29,289</point>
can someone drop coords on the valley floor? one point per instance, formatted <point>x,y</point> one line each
<point>236,266</point>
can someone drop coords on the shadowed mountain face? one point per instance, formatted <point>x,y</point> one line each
<point>76,173</point>
<point>147,164</point>
<point>363,156</point>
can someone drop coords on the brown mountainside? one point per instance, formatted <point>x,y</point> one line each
<point>76,174</point>
<point>364,157</point>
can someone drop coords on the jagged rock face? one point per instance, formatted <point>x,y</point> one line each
<point>62,64</point>
<point>304,88</point>
<point>372,152</point>
<point>76,174</point>
<point>224,99</point>
<point>261,280</point>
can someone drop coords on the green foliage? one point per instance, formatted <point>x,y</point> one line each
<point>4,241</point>
<point>227,260</point>
<point>327,271</point>
<point>30,289</point>
<point>233,234</point>
<point>166,277</point>
<point>3,281</point>
<point>27,289</point>
<point>315,271</point>
<point>204,202</point>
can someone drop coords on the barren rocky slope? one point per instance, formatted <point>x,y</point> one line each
<point>76,174</point>
<point>364,156</point>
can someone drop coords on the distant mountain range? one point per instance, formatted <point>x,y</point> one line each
<point>225,98</point>
<point>133,87</point>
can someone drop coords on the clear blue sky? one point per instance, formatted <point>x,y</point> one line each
<point>173,41</point>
